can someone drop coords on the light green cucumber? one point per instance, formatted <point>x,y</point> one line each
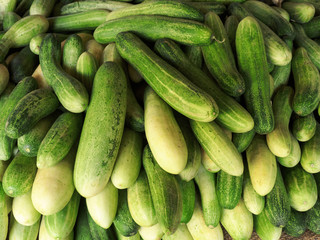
<point>294,156</point>
<point>36,41</point>
<point>8,5</point>
<point>44,235</point>
<point>265,229</point>
<point>299,12</point>
<point>4,78</point>
<point>304,128</point>
<point>181,233</point>
<point>21,232</point>
<point>188,199</point>
<point>9,18</point>
<point>151,233</point>
<point>42,7</point>
<point>312,27</point>
<point>3,167</point>
<point>86,69</point>
<point>243,140</point>
<point>83,6</point>
<point>207,163</point>
<point>4,220</point>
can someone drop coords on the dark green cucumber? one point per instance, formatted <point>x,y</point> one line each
<point>165,192</point>
<point>24,87</point>
<point>229,189</point>
<point>205,7</point>
<point>313,218</point>
<point>312,28</point>
<point>82,229</point>
<point>4,77</point>
<point>30,110</point>
<point>42,7</point>
<point>252,62</point>
<point>264,228</point>
<point>155,27</point>
<point>219,58</point>
<point>19,176</point>
<point>9,18</point>
<point>19,231</point>
<point>93,167</point>
<point>123,221</point>
<point>194,54</point>
<point>231,25</point>
<point>188,199</point>
<point>167,81</point>
<point>82,6</point>
<point>86,69</point>
<point>282,12</point>
<point>23,7</point>
<point>29,143</point>
<point>294,156</point>
<point>299,12</point>
<point>4,220</point>
<point>306,83</point>
<point>6,93</point>
<point>297,224</point>
<point>315,3</point>
<point>59,139</point>
<point>243,140</point>
<point>72,50</point>
<point>70,92</point>
<point>232,115</point>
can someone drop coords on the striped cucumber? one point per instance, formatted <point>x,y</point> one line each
<point>44,235</point>
<point>8,5</point>
<point>82,228</point>
<point>86,68</point>
<point>294,156</point>
<point>312,28</point>
<point>83,6</point>
<point>297,224</point>
<point>315,3</point>
<point>42,7</point>
<point>4,221</point>
<point>243,140</point>
<point>209,164</point>
<point>299,12</point>
<point>9,18</point>
<point>188,199</point>
<point>304,128</point>
<point>265,229</point>
<point>310,152</point>
<point>21,232</point>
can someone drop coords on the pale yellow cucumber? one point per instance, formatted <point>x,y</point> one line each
<point>181,233</point>
<point>151,233</point>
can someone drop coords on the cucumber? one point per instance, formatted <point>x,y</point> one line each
<point>207,163</point>
<point>299,12</point>
<point>294,156</point>
<point>193,102</point>
<point>24,87</point>
<point>38,75</point>
<point>134,75</point>
<point>229,189</point>
<point>44,235</point>
<point>163,8</point>
<point>96,231</point>
<point>218,54</point>
<point>194,54</point>
<point>242,140</point>
<point>140,202</point>
<point>87,20</point>
<point>84,6</point>
<point>265,229</point>
<point>21,232</point>
<point>297,224</point>
<point>121,237</point>
<point>181,233</point>
<point>5,94</point>
<point>205,7</point>
<point>301,187</point>
<point>311,28</point>
<point>155,27</point>
<point>23,210</point>
<point>9,18</point>
<point>29,143</point>
<point>188,199</point>
<point>23,7</point>
<point>93,166</point>
<point>82,228</point>
<point>262,165</point>
<point>313,218</point>
<point>165,192</point>
<point>36,41</point>
<point>310,158</point>
<point>231,25</point>
<point>4,220</point>
<point>42,7</point>
<point>123,221</point>
<point>4,78</point>
<point>252,62</point>
<point>53,187</point>
<point>70,92</point>
<point>282,12</point>
<point>8,5</point>
<point>212,139</point>
<point>29,111</point>
<point>304,128</point>
<point>231,115</point>
<point>151,233</point>
<point>86,69</point>
<point>171,153</point>
<point>3,167</point>
<point>96,49</point>
<point>60,224</point>
<point>21,32</point>
<point>279,140</point>
<point>210,203</point>
<point>315,3</point>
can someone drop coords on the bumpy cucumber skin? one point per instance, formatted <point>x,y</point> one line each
<point>72,50</point>
<point>84,6</point>
<point>264,228</point>
<point>312,28</point>
<point>297,224</point>
<point>313,218</point>
<point>304,128</point>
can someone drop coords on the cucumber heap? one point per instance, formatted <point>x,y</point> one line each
<point>149,119</point>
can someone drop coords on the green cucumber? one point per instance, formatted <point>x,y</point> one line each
<point>218,146</point>
<point>231,25</point>
<point>205,7</point>
<point>96,49</point>
<point>4,220</point>
<point>123,221</point>
<point>72,50</point>
<point>96,231</point>
<point>231,115</point>
<point>209,164</point>
<point>21,232</point>
<point>282,12</point>
<point>9,18</point>
<point>297,224</point>
<point>163,8</point>
<point>155,27</point>
<point>23,7</point>
<point>165,192</point>
<point>36,41</point>
<point>24,87</point>
<point>83,6</point>
<point>134,75</point>
<point>210,203</point>
<point>42,7</point>
<point>242,140</point>
<point>103,206</point>
<point>181,233</point>
<point>60,224</point>
<point>43,233</point>
<point>265,229</point>
<point>229,189</point>
<point>121,237</point>
<point>294,156</point>
<point>8,5</point>
<point>301,187</point>
<point>252,62</point>
<point>86,69</point>
<point>313,218</point>
<point>3,167</point>
<point>29,111</point>
<point>6,93</point>
<point>270,68</point>
<point>23,210</point>
<point>299,12</point>
<point>94,166</point>
<point>171,152</point>
<point>140,202</point>
<point>194,54</point>
<point>4,78</point>
<point>21,32</point>
<point>70,92</point>
<point>82,228</point>
<point>304,128</point>
<point>167,81</point>
<point>262,165</point>
<point>312,28</point>
<point>315,3</point>
<point>219,58</point>
<point>151,233</point>
<point>188,199</point>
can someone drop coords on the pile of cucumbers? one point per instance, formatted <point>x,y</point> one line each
<point>159,119</point>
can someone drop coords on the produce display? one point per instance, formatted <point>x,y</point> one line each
<point>159,119</point>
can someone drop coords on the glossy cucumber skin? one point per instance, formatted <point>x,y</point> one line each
<point>313,217</point>
<point>188,199</point>
<point>304,128</point>
<point>297,224</point>
<point>312,28</point>
<point>72,50</point>
<point>252,62</point>
<point>90,175</point>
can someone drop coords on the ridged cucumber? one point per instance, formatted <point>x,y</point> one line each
<point>243,140</point>
<point>313,218</point>
<point>304,128</point>
<point>294,156</point>
<point>86,69</point>
<point>188,199</point>
<point>299,12</point>
<point>44,235</point>
<point>297,224</point>
<point>312,28</point>
<point>21,232</point>
<point>265,229</point>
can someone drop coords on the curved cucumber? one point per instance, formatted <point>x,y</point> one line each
<point>304,128</point>
<point>294,156</point>
<point>4,77</point>
<point>188,199</point>
<point>21,232</point>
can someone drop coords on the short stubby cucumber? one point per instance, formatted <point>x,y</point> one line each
<point>304,128</point>
<point>294,156</point>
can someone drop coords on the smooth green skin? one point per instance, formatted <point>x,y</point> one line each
<point>36,41</point>
<point>304,128</point>
<point>88,20</point>
<point>165,192</point>
<point>232,115</point>
<point>210,203</point>
<point>297,224</point>
<point>188,199</point>
<point>181,233</point>
<point>4,221</point>
<point>231,25</point>
<point>59,139</point>
<point>306,83</point>
<point>219,58</point>
<point>140,202</point>
<point>205,7</point>
<point>252,61</point>
<point>264,228</point>
<point>310,158</point>
<point>29,143</point>
<point>193,53</point>
<point>19,176</point>
<point>312,28</point>
<point>18,231</point>
<point>29,111</point>
<point>77,7</point>
<point>72,50</point>
<point>282,12</point>
<point>6,93</point>
<point>242,140</point>
<point>294,156</point>
<point>21,32</point>
<point>60,224</point>
<point>184,31</point>
<point>301,188</point>
<point>71,93</point>
<point>82,229</point>
<point>313,218</point>
<point>86,69</point>
<point>24,87</point>
<point>9,18</point>
<point>93,166</point>
<point>299,12</point>
<point>167,81</point>
<point>238,221</point>
<point>4,78</point>
<point>42,7</point>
